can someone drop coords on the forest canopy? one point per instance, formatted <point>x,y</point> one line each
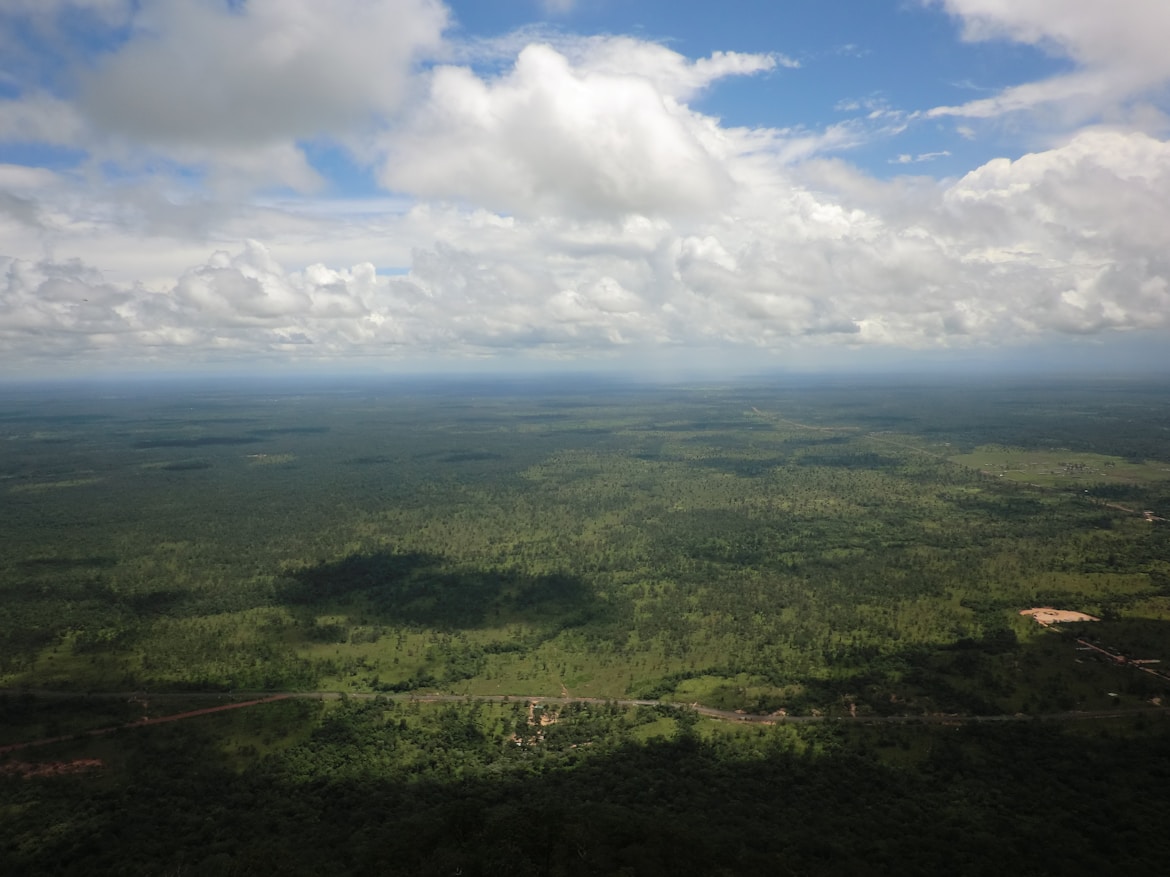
<point>589,575</point>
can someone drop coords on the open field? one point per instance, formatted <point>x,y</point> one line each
<point>1061,467</point>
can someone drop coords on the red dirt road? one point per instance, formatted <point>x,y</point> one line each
<point>710,712</point>
<point>97,732</point>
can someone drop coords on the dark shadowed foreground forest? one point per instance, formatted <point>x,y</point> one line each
<point>590,628</point>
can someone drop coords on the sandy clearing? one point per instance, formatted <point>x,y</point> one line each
<point>1046,615</point>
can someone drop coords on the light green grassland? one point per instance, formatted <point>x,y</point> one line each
<point>1060,466</point>
<point>270,459</point>
<point>42,486</point>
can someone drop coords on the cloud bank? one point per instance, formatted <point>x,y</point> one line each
<point>572,203</point>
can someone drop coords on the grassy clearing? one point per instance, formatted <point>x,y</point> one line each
<point>1153,608</point>
<point>1060,467</point>
<point>270,459</point>
<point>44,486</point>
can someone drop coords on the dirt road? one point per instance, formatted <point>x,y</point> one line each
<point>175,717</point>
<point>724,715</point>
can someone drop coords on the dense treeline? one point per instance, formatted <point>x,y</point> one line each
<point>377,788</point>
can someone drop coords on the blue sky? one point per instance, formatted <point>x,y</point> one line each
<point>853,55</point>
<point>409,184</point>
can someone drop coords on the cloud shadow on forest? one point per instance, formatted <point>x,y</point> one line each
<point>199,442</point>
<point>423,589</point>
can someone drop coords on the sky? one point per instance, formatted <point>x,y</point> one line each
<point>538,185</point>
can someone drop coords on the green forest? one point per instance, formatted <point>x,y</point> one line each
<point>584,627</point>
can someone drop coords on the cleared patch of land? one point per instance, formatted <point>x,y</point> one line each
<point>1058,466</point>
<point>42,486</point>
<point>270,459</point>
<point>1046,615</point>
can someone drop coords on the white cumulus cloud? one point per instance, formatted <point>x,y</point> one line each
<point>231,90</point>
<point>1070,241</point>
<point>264,71</point>
<point>549,136</point>
<point>1119,49</point>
